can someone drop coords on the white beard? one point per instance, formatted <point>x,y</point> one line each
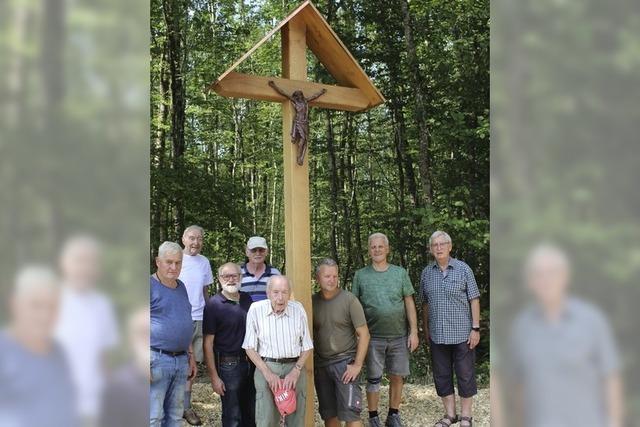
<point>232,289</point>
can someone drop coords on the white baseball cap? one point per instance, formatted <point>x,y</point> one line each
<point>257,242</point>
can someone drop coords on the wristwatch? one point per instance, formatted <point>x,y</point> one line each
<point>476,328</point>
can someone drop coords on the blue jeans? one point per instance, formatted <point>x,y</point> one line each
<point>166,391</point>
<point>239,400</point>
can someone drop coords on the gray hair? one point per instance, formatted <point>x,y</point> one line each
<point>35,277</point>
<point>378,236</point>
<point>193,227</point>
<point>547,252</point>
<point>327,262</point>
<point>272,278</point>
<point>439,233</point>
<point>229,264</point>
<point>168,248</point>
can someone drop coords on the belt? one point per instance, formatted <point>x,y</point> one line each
<point>170,353</point>
<point>227,359</point>
<point>283,360</point>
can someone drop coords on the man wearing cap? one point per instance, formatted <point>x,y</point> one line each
<point>278,342</point>
<point>341,341</point>
<point>197,277</point>
<point>172,361</point>
<point>256,272</point>
<point>230,371</point>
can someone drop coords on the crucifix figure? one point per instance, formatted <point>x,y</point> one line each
<point>300,125</point>
<point>354,91</point>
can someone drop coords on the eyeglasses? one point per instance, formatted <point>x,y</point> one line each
<point>440,244</point>
<point>254,250</point>
<point>229,276</point>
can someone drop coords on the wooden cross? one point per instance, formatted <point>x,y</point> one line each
<point>304,27</point>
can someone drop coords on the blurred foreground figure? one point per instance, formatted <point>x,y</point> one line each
<point>126,397</point>
<point>35,383</point>
<point>565,365</point>
<point>86,327</point>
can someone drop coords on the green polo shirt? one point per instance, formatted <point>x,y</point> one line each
<point>381,294</point>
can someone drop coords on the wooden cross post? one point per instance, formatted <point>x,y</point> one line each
<point>297,234</point>
<point>303,28</point>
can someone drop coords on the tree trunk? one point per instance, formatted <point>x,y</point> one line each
<point>158,156</point>
<point>420,110</point>
<point>347,133</point>
<point>334,186</point>
<point>175,14</point>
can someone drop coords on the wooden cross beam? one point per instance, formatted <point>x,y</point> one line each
<point>303,28</point>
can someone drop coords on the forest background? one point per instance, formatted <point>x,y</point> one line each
<point>416,164</point>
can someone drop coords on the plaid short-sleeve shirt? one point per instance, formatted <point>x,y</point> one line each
<point>447,295</point>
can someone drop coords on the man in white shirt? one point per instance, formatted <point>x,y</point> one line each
<point>86,326</point>
<point>197,277</point>
<point>278,342</point>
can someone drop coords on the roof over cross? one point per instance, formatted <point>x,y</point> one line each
<point>302,28</point>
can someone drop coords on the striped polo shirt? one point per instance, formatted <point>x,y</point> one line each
<point>284,335</point>
<point>256,287</point>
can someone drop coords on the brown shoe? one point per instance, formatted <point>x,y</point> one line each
<point>191,417</point>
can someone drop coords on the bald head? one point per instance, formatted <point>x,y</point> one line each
<point>80,261</point>
<point>279,292</point>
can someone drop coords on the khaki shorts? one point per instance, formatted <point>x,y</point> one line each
<point>196,340</point>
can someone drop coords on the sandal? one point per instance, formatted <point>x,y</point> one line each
<point>443,421</point>
<point>467,419</point>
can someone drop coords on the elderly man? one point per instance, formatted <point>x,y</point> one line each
<point>197,277</point>
<point>86,326</point>
<point>563,355</point>
<point>341,340</point>
<point>277,340</point>
<point>386,294</point>
<point>451,316</point>
<point>36,387</point>
<point>172,360</point>
<point>256,272</point>
<point>229,369</point>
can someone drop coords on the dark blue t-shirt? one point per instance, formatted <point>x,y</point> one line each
<point>226,319</point>
<point>171,324</point>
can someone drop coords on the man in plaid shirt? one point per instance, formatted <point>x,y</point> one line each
<point>451,316</point>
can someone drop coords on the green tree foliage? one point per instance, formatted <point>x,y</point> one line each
<point>367,171</point>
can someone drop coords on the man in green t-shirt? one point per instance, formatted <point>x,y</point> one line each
<point>386,294</point>
<point>341,338</point>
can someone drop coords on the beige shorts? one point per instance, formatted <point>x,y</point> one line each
<point>196,340</point>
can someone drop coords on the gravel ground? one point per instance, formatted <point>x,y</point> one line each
<point>421,407</point>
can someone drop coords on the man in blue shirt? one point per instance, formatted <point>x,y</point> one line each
<point>451,317</point>
<point>562,357</point>
<point>230,371</point>
<point>37,387</point>
<point>172,361</point>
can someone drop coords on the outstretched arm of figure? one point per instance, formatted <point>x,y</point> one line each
<point>280,91</point>
<point>317,95</point>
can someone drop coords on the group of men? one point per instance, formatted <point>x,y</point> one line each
<point>255,340</point>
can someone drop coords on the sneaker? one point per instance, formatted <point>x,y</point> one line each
<point>393,420</point>
<point>375,422</point>
<point>191,417</point>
